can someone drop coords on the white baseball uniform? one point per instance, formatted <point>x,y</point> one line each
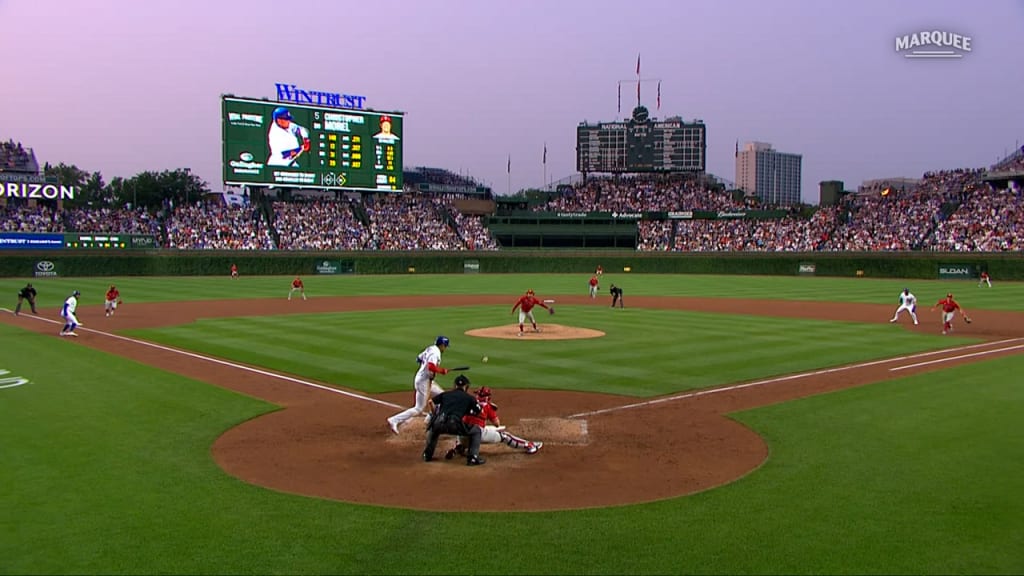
<point>424,385</point>
<point>284,143</point>
<point>908,302</point>
<point>68,313</point>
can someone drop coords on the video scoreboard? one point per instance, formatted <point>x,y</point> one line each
<point>267,143</point>
<point>641,144</point>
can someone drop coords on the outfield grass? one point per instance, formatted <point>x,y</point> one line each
<point>105,464</point>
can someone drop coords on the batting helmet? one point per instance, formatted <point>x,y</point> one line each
<point>483,392</point>
<point>282,112</point>
<point>461,381</point>
<point>76,293</point>
<point>441,340</point>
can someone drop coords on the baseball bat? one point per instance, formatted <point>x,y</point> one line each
<point>458,369</point>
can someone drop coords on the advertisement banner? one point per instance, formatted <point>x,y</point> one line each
<point>471,266</point>
<point>956,271</point>
<point>807,269</point>
<point>44,269</point>
<point>335,267</point>
<point>30,241</point>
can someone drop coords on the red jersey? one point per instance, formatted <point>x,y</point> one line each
<point>948,304</point>
<point>984,275</point>
<point>112,294</point>
<point>234,269</point>
<point>488,412</point>
<point>528,301</point>
<point>593,280</point>
<point>297,283</point>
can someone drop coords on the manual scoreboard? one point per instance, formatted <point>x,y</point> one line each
<point>267,143</point>
<point>641,144</point>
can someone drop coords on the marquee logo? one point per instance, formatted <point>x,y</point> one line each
<point>934,44</point>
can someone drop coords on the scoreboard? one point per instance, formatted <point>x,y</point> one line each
<point>267,143</point>
<point>641,144</point>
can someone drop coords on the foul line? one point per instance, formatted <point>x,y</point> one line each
<point>798,376</point>
<point>962,356</point>
<point>221,362</point>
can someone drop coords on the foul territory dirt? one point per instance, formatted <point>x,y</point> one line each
<point>599,450</point>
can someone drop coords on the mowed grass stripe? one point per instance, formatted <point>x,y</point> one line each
<point>645,353</point>
<point>1003,296</point>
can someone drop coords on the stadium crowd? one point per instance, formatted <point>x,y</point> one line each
<point>949,210</point>
<point>16,158</point>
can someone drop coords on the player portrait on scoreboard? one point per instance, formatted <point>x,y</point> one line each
<point>385,134</point>
<point>286,140</point>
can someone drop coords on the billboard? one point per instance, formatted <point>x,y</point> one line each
<point>291,145</point>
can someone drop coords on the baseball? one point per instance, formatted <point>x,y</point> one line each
<point>484,359</point>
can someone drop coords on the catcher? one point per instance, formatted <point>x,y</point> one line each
<point>112,300</point>
<point>492,432</point>
<point>525,304</point>
<point>26,293</point>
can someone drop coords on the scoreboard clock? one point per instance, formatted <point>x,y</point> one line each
<point>642,144</point>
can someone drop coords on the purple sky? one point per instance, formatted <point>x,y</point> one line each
<point>123,86</point>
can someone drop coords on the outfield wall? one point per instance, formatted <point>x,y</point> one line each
<point>925,265</point>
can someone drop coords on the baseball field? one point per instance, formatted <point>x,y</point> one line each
<point>716,424</point>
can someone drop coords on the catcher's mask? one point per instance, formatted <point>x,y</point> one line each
<point>461,381</point>
<point>483,392</point>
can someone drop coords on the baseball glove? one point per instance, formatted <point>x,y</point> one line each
<point>551,309</point>
<point>968,320</point>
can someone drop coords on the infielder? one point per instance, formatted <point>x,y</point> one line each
<point>68,312</point>
<point>908,302</point>
<point>430,365</point>
<point>525,303</point>
<point>949,308</point>
<point>113,298</point>
<point>297,285</point>
<point>593,286</point>
<point>492,432</point>
<point>286,139</point>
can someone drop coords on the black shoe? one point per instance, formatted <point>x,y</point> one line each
<point>449,454</point>
<point>474,461</point>
<point>427,457</point>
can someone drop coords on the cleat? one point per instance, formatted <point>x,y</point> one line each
<point>534,447</point>
<point>427,457</point>
<point>392,426</point>
<point>475,461</point>
<point>449,454</point>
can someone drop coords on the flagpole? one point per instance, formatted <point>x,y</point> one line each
<point>544,181</point>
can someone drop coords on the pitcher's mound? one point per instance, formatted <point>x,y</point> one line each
<point>547,332</point>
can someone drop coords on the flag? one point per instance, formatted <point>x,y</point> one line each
<point>545,152</point>
<point>620,98</point>
<point>509,163</point>
<point>659,94</point>
<point>638,64</point>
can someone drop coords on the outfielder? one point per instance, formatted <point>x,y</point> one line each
<point>430,365</point>
<point>492,432</point>
<point>525,303</point>
<point>68,312</point>
<point>113,298</point>
<point>286,139</point>
<point>985,280</point>
<point>908,302</point>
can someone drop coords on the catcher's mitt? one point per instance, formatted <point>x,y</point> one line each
<point>551,309</point>
<point>968,320</point>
